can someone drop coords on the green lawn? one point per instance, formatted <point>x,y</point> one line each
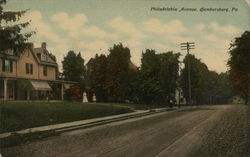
<point>21,115</point>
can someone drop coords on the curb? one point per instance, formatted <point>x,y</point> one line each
<point>102,122</point>
<point>70,126</point>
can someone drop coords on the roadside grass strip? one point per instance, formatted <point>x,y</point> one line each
<point>16,116</point>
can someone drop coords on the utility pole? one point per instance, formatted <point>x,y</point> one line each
<point>187,46</point>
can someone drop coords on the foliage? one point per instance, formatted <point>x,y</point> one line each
<point>24,84</point>
<point>96,77</point>
<point>158,77</point>
<point>113,80</point>
<point>74,93</point>
<point>239,64</point>
<point>219,89</point>
<point>207,87</point>
<point>117,78</point>
<point>225,88</point>
<point>56,90</point>
<point>199,80</point>
<point>149,87</point>
<point>73,67</point>
<point>11,36</point>
<point>111,77</point>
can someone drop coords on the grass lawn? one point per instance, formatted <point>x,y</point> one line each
<point>21,115</point>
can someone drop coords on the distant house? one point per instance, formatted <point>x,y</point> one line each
<point>237,100</point>
<point>179,96</point>
<point>31,76</point>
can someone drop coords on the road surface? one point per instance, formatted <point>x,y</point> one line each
<point>221,130</point>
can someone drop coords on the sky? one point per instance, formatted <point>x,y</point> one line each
<point>93,26</point>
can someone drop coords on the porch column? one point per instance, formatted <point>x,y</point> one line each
<point>62,92</point>
<point>5,93</point>
<point>14,91</point>
<point>28,94</point>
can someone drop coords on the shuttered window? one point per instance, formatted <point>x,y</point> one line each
<point>7,65</point>
<point>29,68</point>
<point>3,65</point>
<point>45,71</point>
<point>11,66</point>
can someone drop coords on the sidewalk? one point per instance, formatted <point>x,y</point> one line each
<point>62,127</point>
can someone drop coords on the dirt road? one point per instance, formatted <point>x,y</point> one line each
<point>199,131</point>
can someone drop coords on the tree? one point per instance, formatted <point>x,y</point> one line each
<point>118,73</point>
<point>225,88</point>
<point>149,86</point>
<point>11,37</point>
<point>158,77</point>
<point>73,67</point>
<point>169,67</point>
<point>199,80</point>
<point>239,64</point>
<point>97,72</point>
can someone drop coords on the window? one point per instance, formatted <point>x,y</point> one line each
<point>7,65</point>
<point>45,71</point>
<point>29,68</point>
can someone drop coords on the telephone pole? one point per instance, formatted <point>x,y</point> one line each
<point>187,46</point>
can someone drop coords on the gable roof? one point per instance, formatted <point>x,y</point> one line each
<point>47,60</point>
<point>44,57</point>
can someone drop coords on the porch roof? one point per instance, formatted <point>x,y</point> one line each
<point>40,85</point>
<point>53,81</point>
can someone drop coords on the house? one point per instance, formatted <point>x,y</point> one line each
<point>179,96</point>
<point>30,76</point>
<point>236,100</point>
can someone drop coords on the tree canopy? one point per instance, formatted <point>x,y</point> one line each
<point>207,87</point>
<point>73,67</point>
<point>118,72</point>
<point>11,36</point>
<point>96,77</point>
<point>239,64</point>
<point>111,77</point>
<point>112,80</point>
<point>158,76</point>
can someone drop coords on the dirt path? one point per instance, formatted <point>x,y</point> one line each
<point>179,133</point>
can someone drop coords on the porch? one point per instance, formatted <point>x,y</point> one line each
<point>27,89</point>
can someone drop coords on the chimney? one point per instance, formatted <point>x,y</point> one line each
<point>44,45</point>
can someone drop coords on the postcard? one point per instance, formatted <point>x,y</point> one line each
<point>124,78</point>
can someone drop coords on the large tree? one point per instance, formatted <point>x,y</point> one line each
<point>207,87</point>
<point>149,89</point>
<point>96,77</point>
<point>118,72</point>
<point>158,77</point>
<point>239,64</point>
<point>225,88</point>
<point>169,74</point>
<point>199,75</point>
<point>73,67</point>
<point>11,36</point>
